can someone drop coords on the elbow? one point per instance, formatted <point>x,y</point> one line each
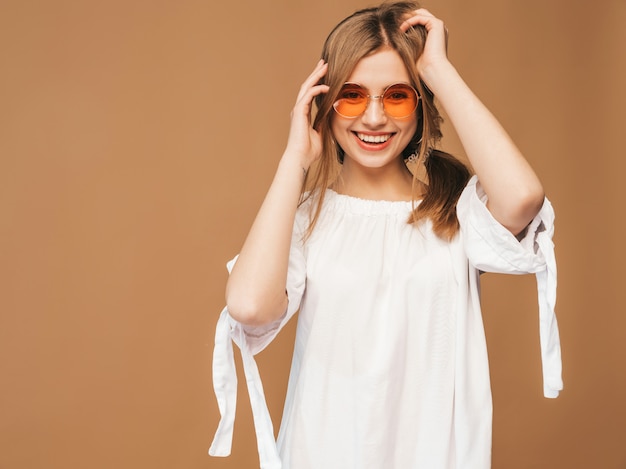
<point>244,312</point>
<point>251,310</point>
<point>523,208</point>
<point>528,206</point>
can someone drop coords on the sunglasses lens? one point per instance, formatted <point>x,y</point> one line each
<point>352,100</point>
<point>400,100</point>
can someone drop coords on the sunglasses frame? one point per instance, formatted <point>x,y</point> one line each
<point>380,96</point>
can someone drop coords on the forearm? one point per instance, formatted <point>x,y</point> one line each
<point>514,191</point>
<point>255,292</point>
<point>256,289</point>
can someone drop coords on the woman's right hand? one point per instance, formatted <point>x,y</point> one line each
<point>304,141</point>
<point>256,288</point>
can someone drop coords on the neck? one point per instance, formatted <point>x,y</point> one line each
<point>392,182</point>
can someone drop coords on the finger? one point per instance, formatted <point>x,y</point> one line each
<point>421,17</point>
<point>429,22</point>
<point>303,105</point>
<point>320,70</point>
<point>311,93</point>
<point>424,12</point>
<point>406,24</point>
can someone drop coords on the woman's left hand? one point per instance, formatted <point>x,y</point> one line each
<point>436,48</point>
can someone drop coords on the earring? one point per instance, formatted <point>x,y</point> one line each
<point>413,158</point>
<point>414,155</point>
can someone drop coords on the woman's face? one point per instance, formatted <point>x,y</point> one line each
<point>373,139</point>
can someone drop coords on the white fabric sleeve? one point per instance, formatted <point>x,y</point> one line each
<point>492,248</point>
<point>251,340</point>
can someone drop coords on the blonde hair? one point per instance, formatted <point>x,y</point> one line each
<point>358,36</point>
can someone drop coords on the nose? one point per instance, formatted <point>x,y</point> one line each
<point>374,114</point>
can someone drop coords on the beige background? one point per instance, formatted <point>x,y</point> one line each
<point>137,139</point>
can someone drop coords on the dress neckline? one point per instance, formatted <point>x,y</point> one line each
<point>368,206</point>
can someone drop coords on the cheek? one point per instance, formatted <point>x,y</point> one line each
<point>339,130</point>
<point>408,131</point>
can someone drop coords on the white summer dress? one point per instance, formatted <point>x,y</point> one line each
<point>390,363</point>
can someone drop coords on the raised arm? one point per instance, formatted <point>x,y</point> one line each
<point>515,194</point>
<point>256,288</point>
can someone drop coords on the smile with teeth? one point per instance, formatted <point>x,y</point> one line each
<point>373,138</point>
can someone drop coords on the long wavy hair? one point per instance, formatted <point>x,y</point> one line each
<point>358,36</point>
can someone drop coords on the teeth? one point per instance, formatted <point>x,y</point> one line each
<point>373,138</point>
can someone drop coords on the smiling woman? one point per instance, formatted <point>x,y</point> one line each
<point>390,365</point>
<point>374,137</point>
